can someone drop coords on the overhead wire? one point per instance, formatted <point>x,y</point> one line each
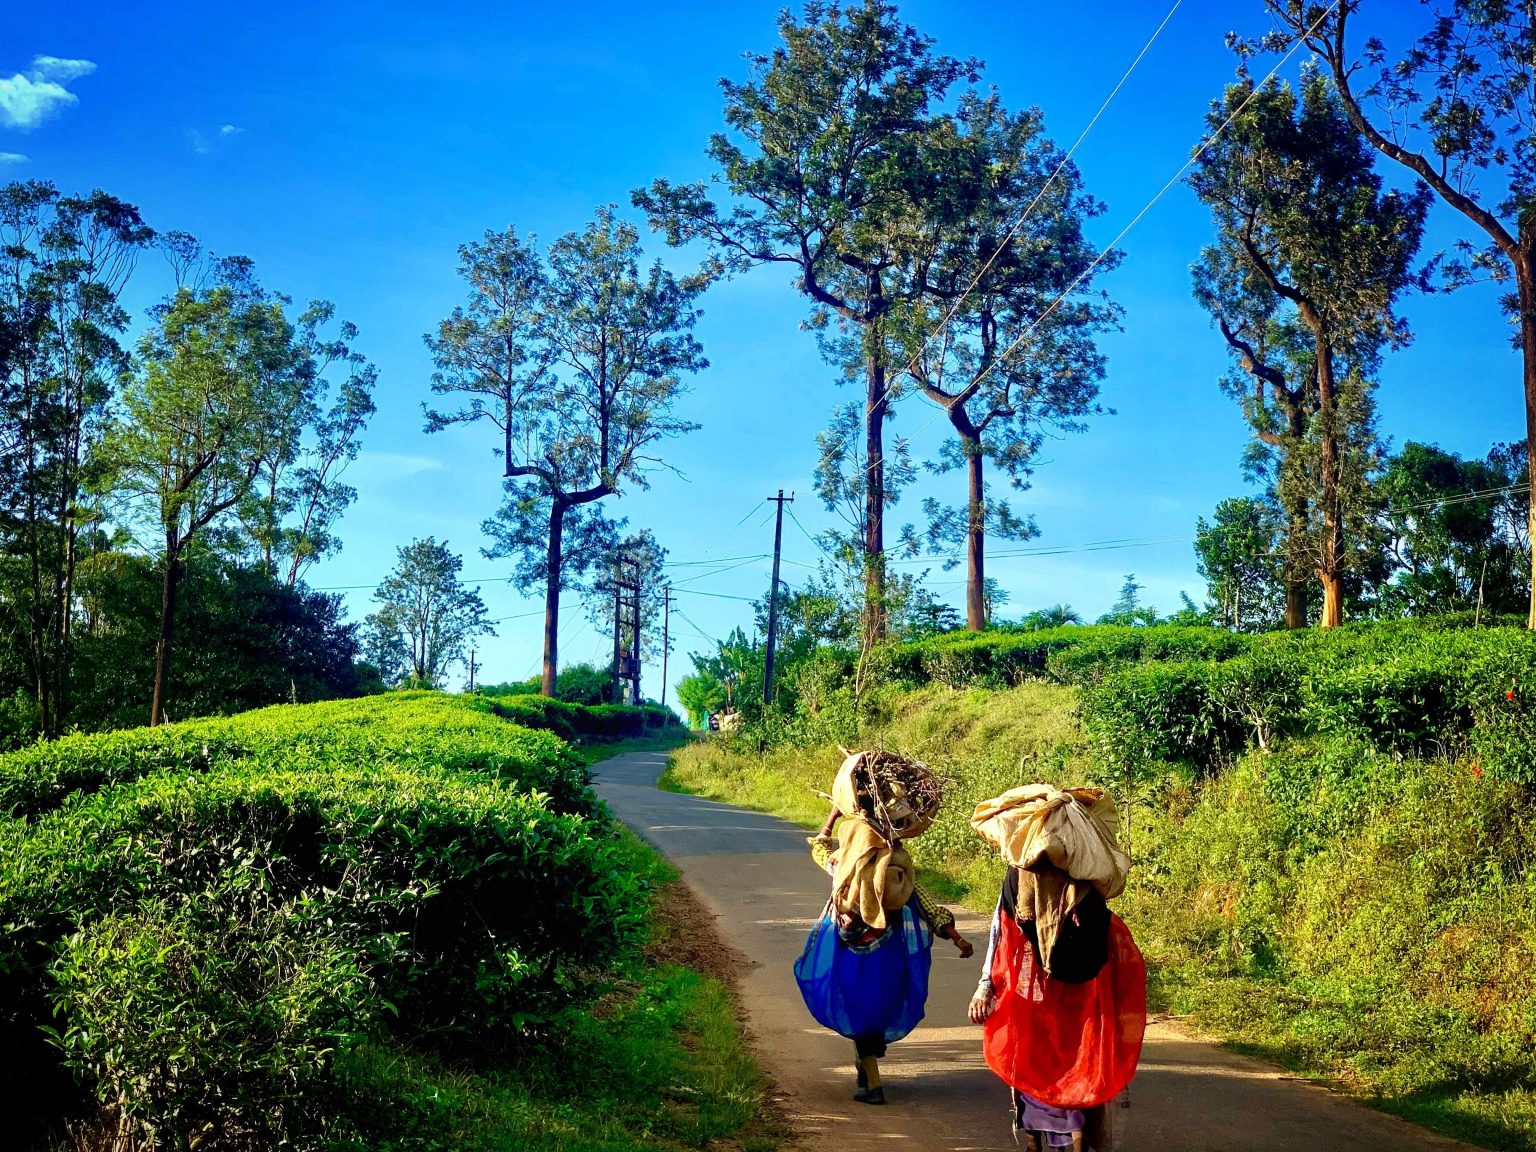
<point>1161,192</point>
<point>1110,247</point>
<point>896,377</point>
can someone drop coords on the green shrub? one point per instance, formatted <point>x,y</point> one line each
<point>1146,714</point>
<point>207,1031</point>
<point>423,728</point>
<point>476,909</point>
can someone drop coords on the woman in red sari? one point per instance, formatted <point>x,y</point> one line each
<point>1063,987</point>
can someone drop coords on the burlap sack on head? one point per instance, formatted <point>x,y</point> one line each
<point>1071,829</point>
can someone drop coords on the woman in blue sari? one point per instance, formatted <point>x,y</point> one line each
<point>864,971</point>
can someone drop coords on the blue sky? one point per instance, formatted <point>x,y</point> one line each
<point>349,149</point>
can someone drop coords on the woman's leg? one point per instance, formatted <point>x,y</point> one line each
<point>869,1049</point>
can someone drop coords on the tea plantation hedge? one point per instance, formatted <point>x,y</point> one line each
<point>1398,689</point>
<point>195,919</point>
<point>1200,696</point>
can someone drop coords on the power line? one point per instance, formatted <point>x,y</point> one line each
<point>1040,195</point>
<point>1110,247</point>
<point>955,308</point>
<point>701,633</point>
<point>715,595</point>
<point>815,543</point>
<point>722,560</point>
<point>1174,179</point>
<point>719,572</point>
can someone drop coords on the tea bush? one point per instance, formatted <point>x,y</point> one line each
<point>424,728</point>
<point>204,914</point>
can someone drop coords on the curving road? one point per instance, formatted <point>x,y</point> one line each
<point>755,874</point>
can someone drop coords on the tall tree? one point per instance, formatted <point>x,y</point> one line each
<point>1002,338</point>
<point>63,263</point>
<point>822,162</point>
<point>1319,254</point>
<point>1457,109</point>
<point>426,618</point>
<point>585,354</point>
<point>300,494</point>
<point>216,391</point>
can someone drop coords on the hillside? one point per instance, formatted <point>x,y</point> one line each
<point>1332,833</point>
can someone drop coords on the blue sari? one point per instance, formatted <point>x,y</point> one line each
<point>878,989</point>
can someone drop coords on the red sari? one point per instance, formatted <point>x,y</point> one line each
<point>1067,1045</point>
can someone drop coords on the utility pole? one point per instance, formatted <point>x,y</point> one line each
<point>666,637</point>
<point>626,602</point>
<point>471,670</point>
<point>773,595</point>
<point>618,624</point>
<point>634,632</point>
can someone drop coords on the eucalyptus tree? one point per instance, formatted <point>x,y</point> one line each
<point>426,617</point>
<point>821,160</point>
<point>300,494</point>
<point>64,261</point>
<point>1002,338</point>
<point>578,359</point>
<point>1310,259</point>
<point>1457,108</point>
<point>215,391</point>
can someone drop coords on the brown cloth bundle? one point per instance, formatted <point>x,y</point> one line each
<point>872,876</point>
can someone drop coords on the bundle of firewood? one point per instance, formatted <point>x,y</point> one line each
<point>898,796</point>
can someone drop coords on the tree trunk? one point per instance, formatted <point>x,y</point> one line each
<point>1525,281</point>
<point>1295,604</point>
<point>552,596</point>
<point>1295,532</point>
<point>167,625</point>
<point>876,401</point>
<point>975,535</point>
<point>1332,550</point>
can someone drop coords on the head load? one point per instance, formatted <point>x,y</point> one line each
<point>889,798</point>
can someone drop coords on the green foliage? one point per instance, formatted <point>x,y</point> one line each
<point>1332,835</point>
<point>576,684</point>
<point>577,722</point>
<point>1236,555</point>
<point>1071,654</point>
<point>221,1029</point>
<point>247,641</point>
<point>1454,531</point>
<point>205,913</point>
<point>699,694</point>
<point>1400,688</point>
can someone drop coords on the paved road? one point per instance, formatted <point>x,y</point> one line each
<point>755,874</point>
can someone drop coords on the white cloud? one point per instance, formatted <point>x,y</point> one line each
<point>28,98</point>
<point>205,142</point>
<point>396,464</point>
<point>12,158</point>
<point>60,70</point>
